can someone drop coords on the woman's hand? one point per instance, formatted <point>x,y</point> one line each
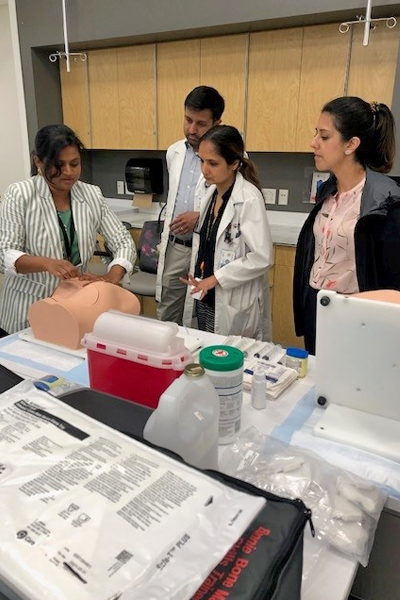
<point>62,269</point>
<point>200,286</point>
<point>114,275</point>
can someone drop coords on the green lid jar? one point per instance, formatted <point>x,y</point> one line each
<point>221,358</point>
<point>224,366</point>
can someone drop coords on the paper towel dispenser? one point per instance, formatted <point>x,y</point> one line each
<point>144,175</point>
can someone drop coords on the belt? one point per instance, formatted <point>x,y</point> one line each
<point>175,240</point>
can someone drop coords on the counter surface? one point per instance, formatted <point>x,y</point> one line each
<point>285,225</point>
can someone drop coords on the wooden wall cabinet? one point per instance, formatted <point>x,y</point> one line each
<point>273,90</point>
<point>373,67</point>
<point>178,72</point>
<point>274,84</point>
<point>322,78</point>
<point>75,99</point>
<point>103,98</point>
<point>223,65</point>
<point>137,97</point>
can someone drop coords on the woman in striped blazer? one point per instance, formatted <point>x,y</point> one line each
<point>48,228</point>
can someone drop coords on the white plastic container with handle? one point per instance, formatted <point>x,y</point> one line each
<point>186,419</point>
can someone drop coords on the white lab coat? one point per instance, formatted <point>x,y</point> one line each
<point>241,290</point>
<point>175,159</point>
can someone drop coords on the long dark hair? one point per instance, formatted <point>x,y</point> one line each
<point>49,142</point>
<point>373,123</point>
<point>229,144</point>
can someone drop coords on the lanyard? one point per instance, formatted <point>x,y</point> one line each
<point>211,218</point>
<point>67,236</point>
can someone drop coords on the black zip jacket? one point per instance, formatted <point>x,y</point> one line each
<point>376,238</point>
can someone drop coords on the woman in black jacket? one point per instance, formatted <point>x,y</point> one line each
<point>350,242</point>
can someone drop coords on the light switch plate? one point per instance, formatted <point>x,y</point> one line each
<point>269,195</point>
<point>283,197</point>
<point>120,187</point>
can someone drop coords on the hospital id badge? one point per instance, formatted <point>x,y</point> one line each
<point>227,256</point>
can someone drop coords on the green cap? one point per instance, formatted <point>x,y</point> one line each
<point>221,358</point>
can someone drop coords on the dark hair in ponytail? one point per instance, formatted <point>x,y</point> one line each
<point>229,144</point>
<point>50,141</point>
<point>373,123</point>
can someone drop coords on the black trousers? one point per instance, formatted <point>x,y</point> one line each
<point>3,333</point>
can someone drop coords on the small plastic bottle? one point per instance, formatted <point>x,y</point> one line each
<point>186,419</point>
<point>297,358</point>
<point>258,389</point>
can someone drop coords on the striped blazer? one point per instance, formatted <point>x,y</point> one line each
<point>28,223</point>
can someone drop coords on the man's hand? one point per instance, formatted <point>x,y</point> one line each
<point>184,223</point>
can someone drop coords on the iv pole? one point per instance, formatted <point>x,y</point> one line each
<point>345,26</point>
<point>66,54</point>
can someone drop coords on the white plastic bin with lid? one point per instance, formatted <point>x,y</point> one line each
<point>134,357</point>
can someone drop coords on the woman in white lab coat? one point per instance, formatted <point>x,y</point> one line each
<point>235,249</point>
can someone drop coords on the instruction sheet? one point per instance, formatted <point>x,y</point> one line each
<point>88,513</point>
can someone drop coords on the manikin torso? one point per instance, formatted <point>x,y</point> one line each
<point>73,308</point>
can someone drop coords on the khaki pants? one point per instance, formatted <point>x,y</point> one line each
<point>173,292</point>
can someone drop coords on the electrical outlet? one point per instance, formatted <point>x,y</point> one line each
<point>120,187</point>
<point>269,195</point>
<point>283,197</point>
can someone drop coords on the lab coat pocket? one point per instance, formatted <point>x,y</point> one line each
<point>245,322</point>
<point>25,285</point>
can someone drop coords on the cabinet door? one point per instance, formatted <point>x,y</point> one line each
<point>282,306</point>
<point>137,97</point>
<point>178,72</point>
<point>104,102</point>
<point>75,99</point>
<point>323,77</point>
<point>273,89</point>
<point>223,66</point>
<point>373,67</point>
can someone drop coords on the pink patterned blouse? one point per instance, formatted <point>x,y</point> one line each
<point>334,265</point>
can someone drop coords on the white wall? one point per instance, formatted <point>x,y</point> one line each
<point>14,152</point>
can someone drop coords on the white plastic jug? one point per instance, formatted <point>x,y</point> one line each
<point>186,419</point>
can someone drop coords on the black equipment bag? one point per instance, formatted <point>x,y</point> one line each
<point>266,562</point>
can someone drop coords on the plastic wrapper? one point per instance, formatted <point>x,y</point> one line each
<point>345,508</point>
<point>90,514</point>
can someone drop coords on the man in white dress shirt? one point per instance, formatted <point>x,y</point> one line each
<point>203,109</point>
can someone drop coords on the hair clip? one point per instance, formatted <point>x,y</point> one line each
<point>374,106</point>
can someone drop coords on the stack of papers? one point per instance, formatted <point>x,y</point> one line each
<point>278,378</point>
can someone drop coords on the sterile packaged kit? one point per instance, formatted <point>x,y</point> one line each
<point>89,513</point>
